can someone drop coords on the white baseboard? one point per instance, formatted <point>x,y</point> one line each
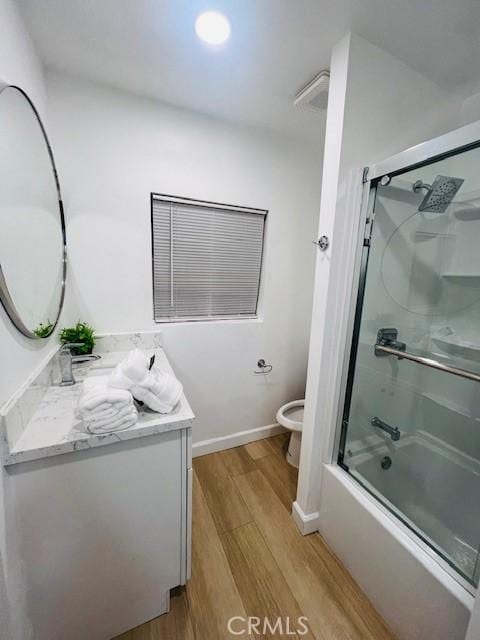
<point>306,522</point>
<point>235,439</point>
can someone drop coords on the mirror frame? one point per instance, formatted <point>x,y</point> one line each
<point>5,296</point>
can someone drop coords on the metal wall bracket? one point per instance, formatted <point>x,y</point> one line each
<point>387,337</point>
<point>393,432</point>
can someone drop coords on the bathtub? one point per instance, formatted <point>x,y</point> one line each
<point>435,490</point>
<point>417,592</point>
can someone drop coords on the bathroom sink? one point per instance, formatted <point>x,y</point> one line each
<point>105,371</point>
<point>108,361</point>
<point>101,367</point>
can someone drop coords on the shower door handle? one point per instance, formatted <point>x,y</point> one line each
<point>381,350</point>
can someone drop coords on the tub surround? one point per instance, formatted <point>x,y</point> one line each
<point>39,422</point>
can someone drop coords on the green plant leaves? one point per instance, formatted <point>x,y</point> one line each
<point>43,330</point>
<point>81,332</point>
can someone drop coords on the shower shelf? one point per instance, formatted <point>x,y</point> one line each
<point>447,404</point>
<point>452,343</point>
<point>460,275</point>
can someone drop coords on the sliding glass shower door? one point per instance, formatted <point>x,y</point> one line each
<point>411,424</point>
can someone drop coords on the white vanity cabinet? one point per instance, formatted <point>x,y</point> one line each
<point>102,522</point>
<point>104,534</point>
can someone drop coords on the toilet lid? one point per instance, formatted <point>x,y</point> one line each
<point>291,415</point>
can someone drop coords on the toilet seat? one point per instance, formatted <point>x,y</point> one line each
<point>290,415</point>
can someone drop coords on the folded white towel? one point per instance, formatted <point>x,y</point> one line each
<point>108,411</point>
<point>101,395</point>
<point>102,420</point>
<point>104,409</point>
<point>118,425</point>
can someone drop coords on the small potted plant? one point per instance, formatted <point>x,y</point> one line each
<point>81,332</point>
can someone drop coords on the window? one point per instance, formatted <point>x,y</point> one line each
<point>207,259</point>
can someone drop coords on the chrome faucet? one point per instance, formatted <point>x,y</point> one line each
<point>65,358</point>
<point>393,432</point>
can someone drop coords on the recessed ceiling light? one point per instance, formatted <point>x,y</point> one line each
<point>212,27</point>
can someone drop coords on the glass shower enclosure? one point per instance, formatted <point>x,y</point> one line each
<point>411,421</point>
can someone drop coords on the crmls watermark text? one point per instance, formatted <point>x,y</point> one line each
<point>241,626</point>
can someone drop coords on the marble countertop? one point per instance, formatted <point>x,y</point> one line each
<point>53,428</point>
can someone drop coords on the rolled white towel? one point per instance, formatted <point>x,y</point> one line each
<point>135,366</point>
<point>166,386</point>
<point>159,390</point>
<point>131,370</point>
<point>119,379</point>
<point>151,400</point>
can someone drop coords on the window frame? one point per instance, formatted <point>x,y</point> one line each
<point>215,205</point>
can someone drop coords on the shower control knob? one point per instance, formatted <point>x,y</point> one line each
<point>323,243</point>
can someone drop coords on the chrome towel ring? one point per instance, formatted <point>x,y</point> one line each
<point>263,366</point>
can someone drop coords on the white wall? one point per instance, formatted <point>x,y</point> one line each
<point>113,149</point>
<point>18,65</point>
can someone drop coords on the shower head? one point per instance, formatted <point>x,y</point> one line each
<point>440,194</point>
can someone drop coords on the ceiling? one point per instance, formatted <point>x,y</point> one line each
<point>149,47</point>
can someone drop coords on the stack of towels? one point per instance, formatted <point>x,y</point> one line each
<point>103,409</point>
<point>158,390</point>
<point>107,402</point>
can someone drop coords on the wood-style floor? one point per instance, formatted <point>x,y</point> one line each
<point>249,559</point>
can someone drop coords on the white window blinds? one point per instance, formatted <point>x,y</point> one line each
<point>207,260</point>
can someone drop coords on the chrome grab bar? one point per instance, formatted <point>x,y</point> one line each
<point>381,349</point>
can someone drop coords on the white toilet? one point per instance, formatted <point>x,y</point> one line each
<point>290,416</point>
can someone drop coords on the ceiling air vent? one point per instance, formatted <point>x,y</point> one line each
<point>315,94</point>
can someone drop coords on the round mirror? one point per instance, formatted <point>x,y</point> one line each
<point>32,226</point>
